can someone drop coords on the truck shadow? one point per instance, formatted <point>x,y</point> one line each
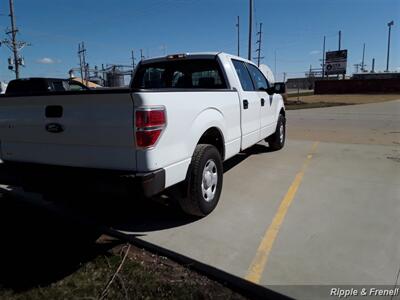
<point>39,247</point>
<point>133,213</point>
<point>237,159</point>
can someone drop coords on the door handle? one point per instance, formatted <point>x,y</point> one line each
<point>262,101</point>
<point>54,111</point>
<point>245,104</point>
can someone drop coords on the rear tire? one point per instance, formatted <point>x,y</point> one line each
<point>204,182</point>
<point>277,140</point>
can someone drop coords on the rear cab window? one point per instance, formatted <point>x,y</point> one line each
<point>180,74</point>
<point>27,86</point>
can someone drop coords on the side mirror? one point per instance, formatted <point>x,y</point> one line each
<point>271,90</point>
<point>279,87</point>
<point>276,88</point>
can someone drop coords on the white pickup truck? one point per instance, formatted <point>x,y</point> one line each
<point>182,116</point>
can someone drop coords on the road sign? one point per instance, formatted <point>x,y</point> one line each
<point>336,62</point>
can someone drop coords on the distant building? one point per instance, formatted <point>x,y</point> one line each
<point>302,83</point>
<point>381,75</point>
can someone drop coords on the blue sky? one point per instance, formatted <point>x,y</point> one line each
<point>293,29</point>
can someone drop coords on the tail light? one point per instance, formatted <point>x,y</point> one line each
<point>149,124</point>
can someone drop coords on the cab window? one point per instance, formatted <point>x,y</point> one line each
<point>258,78</point>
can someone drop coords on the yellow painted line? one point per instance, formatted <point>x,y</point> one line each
<point>259,262</point>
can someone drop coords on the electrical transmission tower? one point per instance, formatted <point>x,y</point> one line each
<point>258,50</point>
<point>13,44</point>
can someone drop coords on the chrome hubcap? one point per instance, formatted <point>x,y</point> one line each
<point>281,133</point>
<point>210,180</point>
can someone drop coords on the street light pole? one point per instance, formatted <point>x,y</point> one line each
<point>390,24</point>
<point>323,59</point>
<point>362,63</point>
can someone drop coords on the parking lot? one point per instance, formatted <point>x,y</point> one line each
<point>322,211</point>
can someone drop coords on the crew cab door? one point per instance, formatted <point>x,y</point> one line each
<point>267,103</point>
<point>249,106</point>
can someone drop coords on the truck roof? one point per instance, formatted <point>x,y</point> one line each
<point>199,55</point>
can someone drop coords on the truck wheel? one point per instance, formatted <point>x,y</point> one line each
<point>204,182</point>
<point>277,140</point>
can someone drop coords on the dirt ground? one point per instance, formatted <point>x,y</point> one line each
<point>348,98</point>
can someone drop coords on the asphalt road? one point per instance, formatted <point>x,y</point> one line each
<point>322,211</point>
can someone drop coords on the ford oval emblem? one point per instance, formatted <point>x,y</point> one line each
<point>54,128</point>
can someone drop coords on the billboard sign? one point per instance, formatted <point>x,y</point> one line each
<point>336,62</point>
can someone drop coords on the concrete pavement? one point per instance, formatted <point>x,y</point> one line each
<point>322,211</point>
<point>342,226</point>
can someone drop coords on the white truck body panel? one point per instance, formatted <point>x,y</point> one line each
<point>98,131</point>
<point>100,127</point>
<point>186,125</point>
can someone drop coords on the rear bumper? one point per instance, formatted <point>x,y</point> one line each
<point>38,177</point>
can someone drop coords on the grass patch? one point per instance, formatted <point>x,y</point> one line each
<point>293,105</point>
<point>141,276</point>
<point>293,95</point>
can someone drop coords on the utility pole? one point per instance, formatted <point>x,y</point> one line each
<point>14,31</point>
<point>82,62</point>
<point>362,62</point>
<point>323,59</point>
<point>238,36</point>
<point>390,24</point>
<point>357,66</point>
<point>87,75</point>
<point>141,54</point>
<point>133,59</point>
<point>340,42</point>
<point>250,28</point>
<point>373,66</point>
<point>284,77</point>
<point>13,44</point>
<point>259,33</point>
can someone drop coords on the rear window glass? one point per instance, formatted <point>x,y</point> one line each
<point>180,74</point>
<point>27,86</point>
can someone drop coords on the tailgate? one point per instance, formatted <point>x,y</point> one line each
<point>93,130</point>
